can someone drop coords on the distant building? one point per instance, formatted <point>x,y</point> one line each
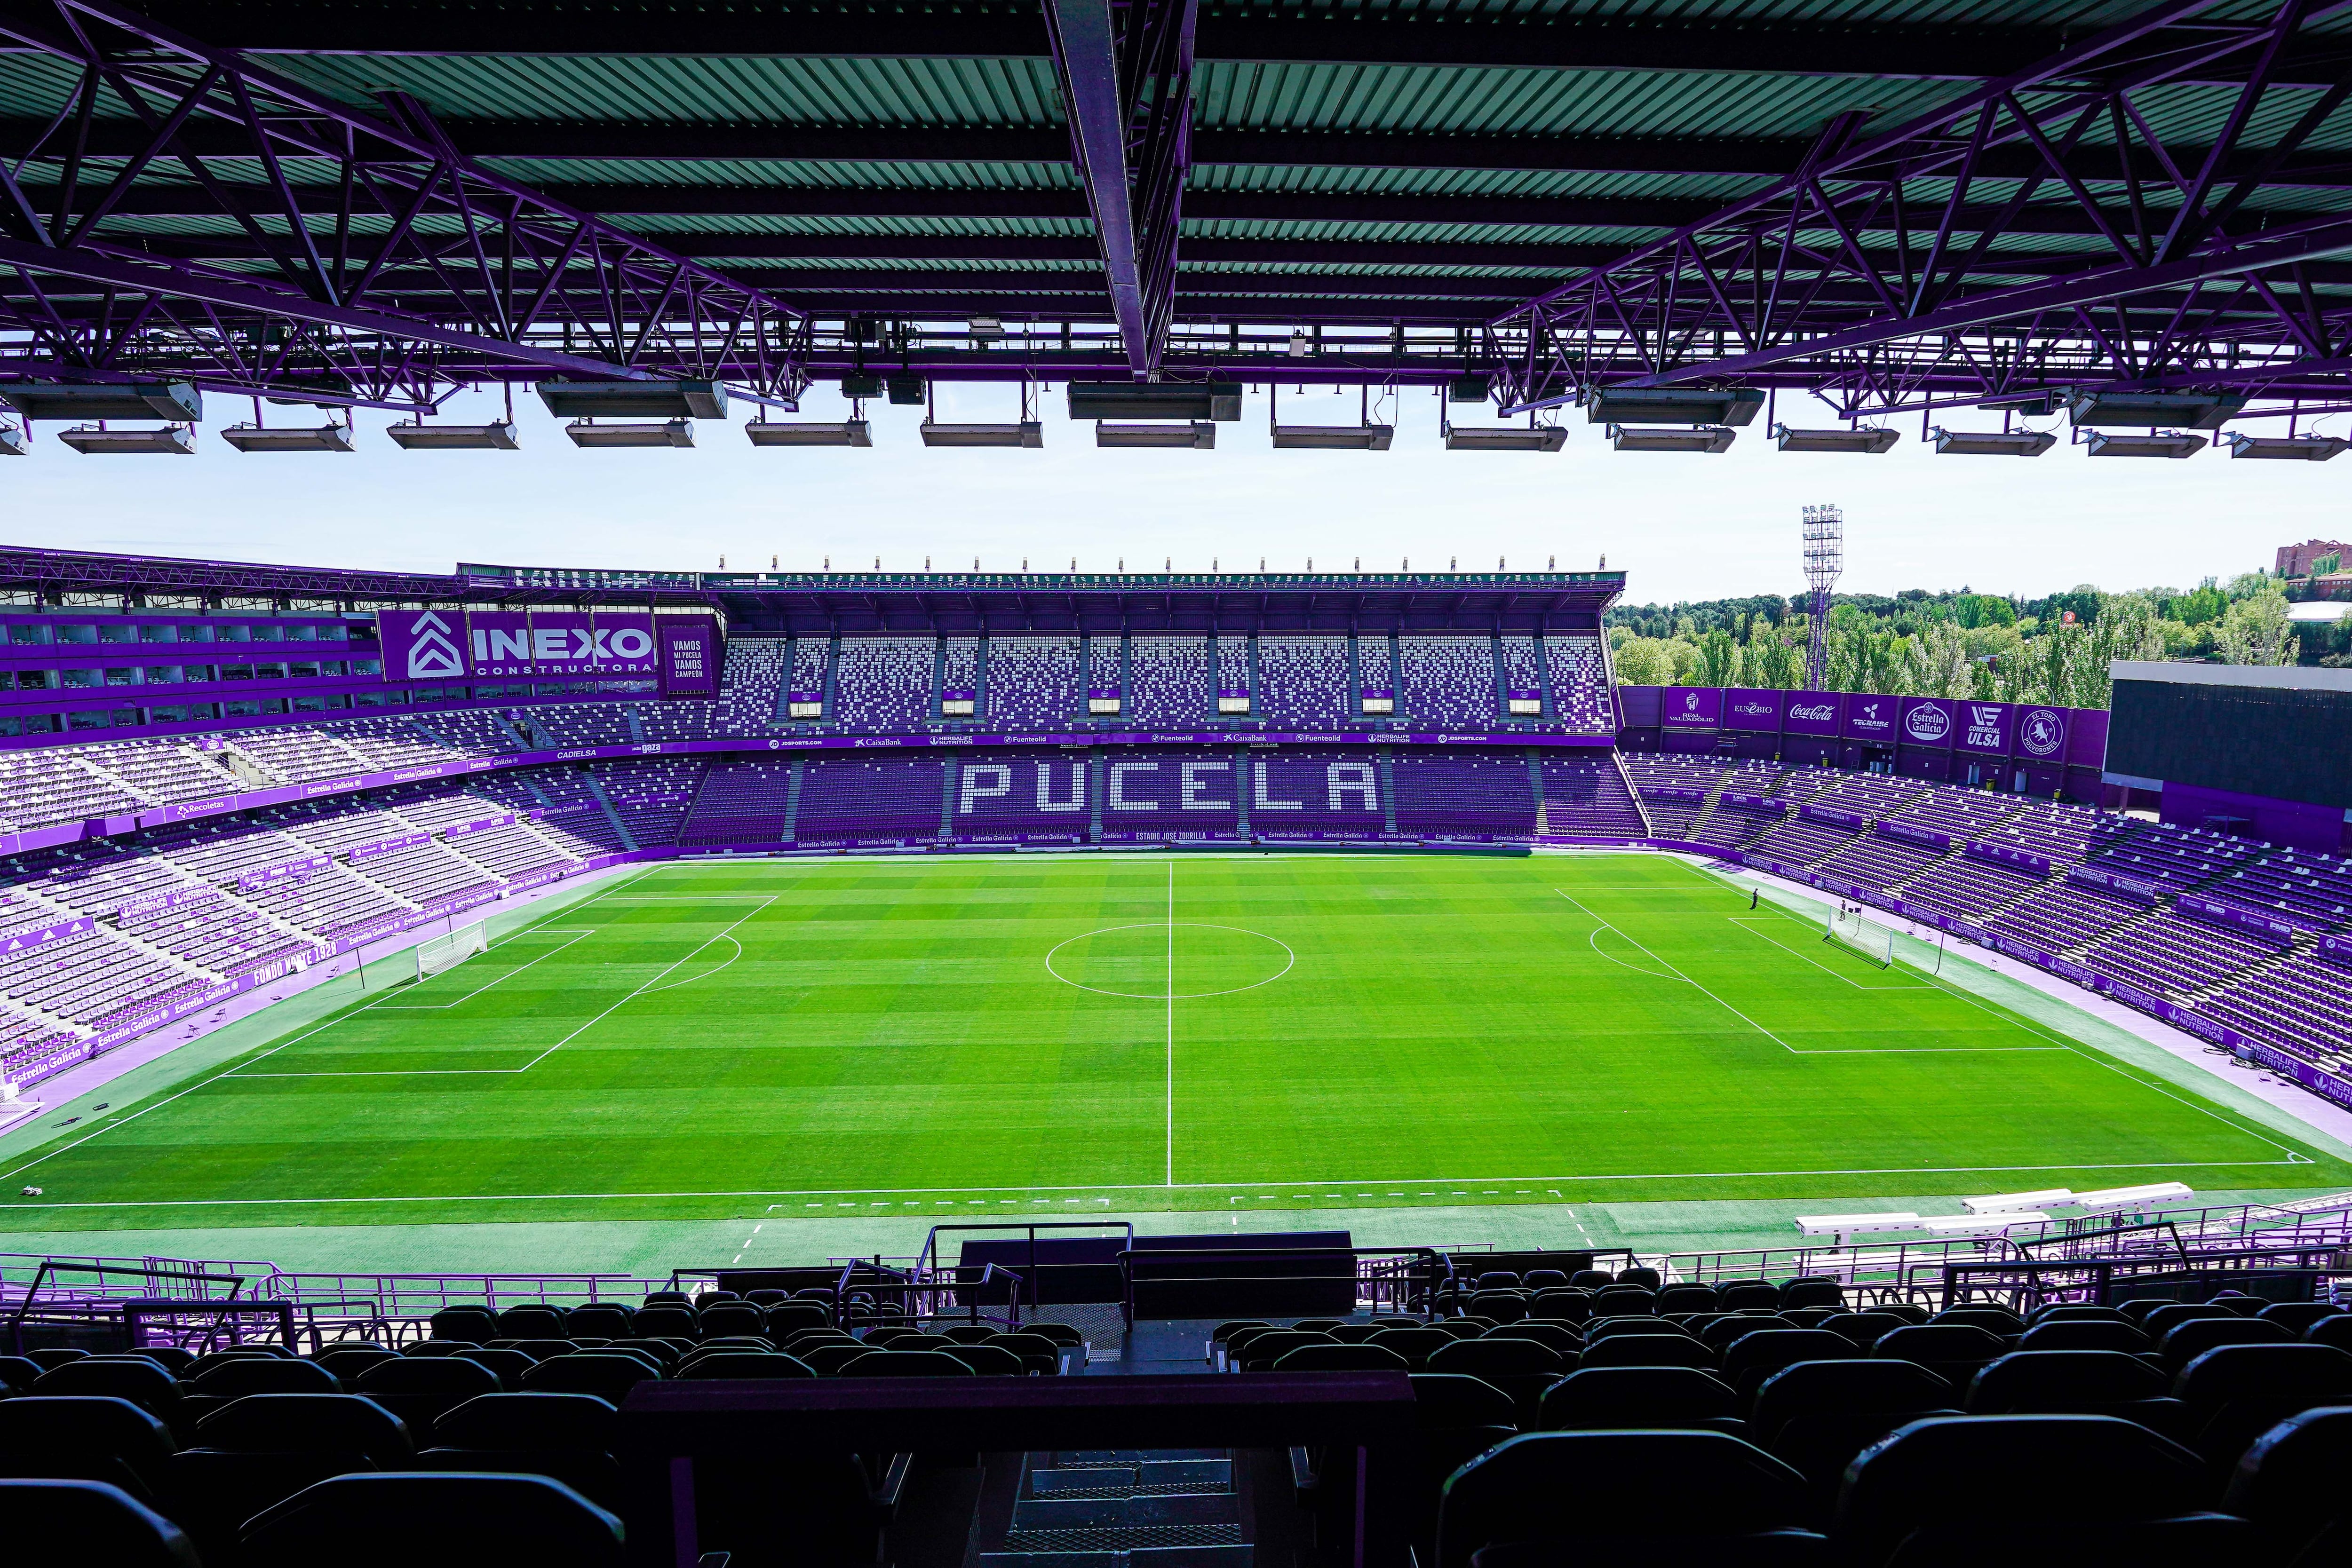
<point>2295,560</point>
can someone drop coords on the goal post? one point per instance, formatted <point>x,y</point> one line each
<point>1860,935</point>
<point>436,953</point>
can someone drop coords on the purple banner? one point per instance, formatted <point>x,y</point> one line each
<point>2336,950</point>
<point>293,871</point>
<point>1915,835</point>
<point>394,845</point>
<point>1985,728</point>
<point>690,655</point>
<point>1810,713</point>
<point>479,825</point>
<point>1692,707</point>
<point>498,641</point>
<point>947,695</point>
<point>1926,721</point>
<point>1869,718</point>
<point>2111,881</point>
<point>1770,803</point>
<point>2277,927</point>
<point>1106,693</point>
<point>2040,733</point>
<point>43,936</point>
<point>160,902</point>
<point>1838,815</point>
<point>1671,792</point>
<point>2002,854</point>
<point>422,645</point>
<point>1510,694</point>
<point>1753,710</point>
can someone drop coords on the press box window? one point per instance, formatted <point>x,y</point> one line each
<point>1526,708</point>
<point>1103,707</point>
<point>1233,705</point>
<point>117,634</point>
<point>20,633</point>
<point>1379,704</point>
<point>798,708</point>
<point>956,707</point>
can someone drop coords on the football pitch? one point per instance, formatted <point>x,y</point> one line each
<point>1096,1033</point>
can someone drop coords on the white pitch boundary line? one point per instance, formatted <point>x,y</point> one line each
<point>1751,921</point>
<point>1161,1186</point>
<point>1170,1141</point>
<point>1784,1045</point>
<point>578,935</point>
<point>643,989</point>
<point>2095,1056</point>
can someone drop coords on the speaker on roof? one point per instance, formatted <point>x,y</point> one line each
<point>862,383</point>
<point>907,390</point>
<point>1468,389</point>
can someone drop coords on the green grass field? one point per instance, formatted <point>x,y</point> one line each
<point>1091,1032</point>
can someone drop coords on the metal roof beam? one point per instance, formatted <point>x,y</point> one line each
<point>1516,41</point>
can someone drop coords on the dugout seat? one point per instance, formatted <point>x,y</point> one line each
<point>422,1516</point>
<point>1925,1487</point>
<point>85,1436</point>
<point>1552,1486</point>
<point>71,1520</point>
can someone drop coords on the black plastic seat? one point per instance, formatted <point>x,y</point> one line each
<point>1864,1329</point>
<point>2236,1392</point>
<point>783,1317</point>
<point>1748,1360</point>
<point>408,1517</point>
<point>1812,1291</point>
<point>75,1520</point>
<point>532,1320</point>
<point>1497,1279</point>
<point>666,1321</point>
<point>2185,1340</point>
<point>1640,1274</point>
<point>478,1326</point>
<point>1997,1320</point>
<point>1338,1357</point>
<point>227,1380</point>
<point>1739,1295</point>
<point>1956,1350</point>
<point>1596,1397</point>
<point>599,1320</point>
<point>2298,1315</point>
<point>87,1436</point>
<point>568,1437</point>
<point>1616,1300</point>
<point>2065,1382</point>
<point>420,1389</point>
<point>1676,1300</point>
<point>2086,1333</point>
<point>1519,1368</point>
<point>1060,1333</point>
<point>2290,1482</point>
<point>2161,1318</point>
<point>1543,1279</point>
<point>1558,1337</point>
<point>508,1365</point>
<point>906,1363</point>
<point>733,1318</point>
<point>829,1356</point>
<point>256,1451</point>
<point>18,1371</point>
<point>1937,1476</point>
<point>142,1382</point>
<point>1552,1486</point>
<point>762,1365</point>
<point>995,1361</point>
<point>1818,1415</point>
<point>1259,1351</point>
<point>1718,1335</point>
<point>1568,1305</point>
<point>1503,1306</point>
<point>607,1375</point>
<point>1037,1352</point>
<point>1603,1328</point>
<point>348,1360</point>
<point>1646,1349</point>
<point>2334,1331</point>
<point>1592,1278</point>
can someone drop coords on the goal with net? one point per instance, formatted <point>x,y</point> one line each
<point>436,953</point>
<point>1860,935</point>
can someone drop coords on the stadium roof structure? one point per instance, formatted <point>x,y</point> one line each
<point>1898,205</point>
<point>826,602</point>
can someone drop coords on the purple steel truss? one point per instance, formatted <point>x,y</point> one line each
<point>389,266</point>
<point>1782,288</point>
<point>1126,76</point>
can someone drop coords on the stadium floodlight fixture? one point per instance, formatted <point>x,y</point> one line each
<point>1874,439</point>
<point>1993,443</point>
<point>1199,435</point>
<point>329,437</point>
<point>418,437</point>
<point>1710,438</point>
<point>1333,437</point>
<point>805,432</point>
<point>96,441</point>
<point>669,433</point>
<point>15,441</point>
<point>986,328</point>
<point>1670,405</point>
<point>2304,449</point>
<point>175,401</point>
<point>672,400</point>
<point>1219,400</point>
<point>1505,438</point>
<point>2148,411</point>
<point>1028,432</point>
<point>2175,443</point>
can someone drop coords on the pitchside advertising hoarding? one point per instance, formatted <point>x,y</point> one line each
<point>448,644</point>
<point>1693,708</point>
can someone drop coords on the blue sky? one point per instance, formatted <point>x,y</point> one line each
<point>1684,526</point>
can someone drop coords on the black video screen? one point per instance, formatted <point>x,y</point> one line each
<point>2290,745</point>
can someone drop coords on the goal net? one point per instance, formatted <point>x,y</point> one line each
<point>1860,935</point>
<point>436,953</point>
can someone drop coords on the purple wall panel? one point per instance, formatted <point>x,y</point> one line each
<point>1692,707</point>
<point>1987,727</point>
<point>1869,717</point>
<point>690,655</point>
<point>2319,829</point>
<point>1748,709</point>
<point>1926,721</point>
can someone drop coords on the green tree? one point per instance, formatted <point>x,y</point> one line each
<point>1719,660</point>
<point>1936,661</point>
<point>1645,661</point>
<point>2255,631</point>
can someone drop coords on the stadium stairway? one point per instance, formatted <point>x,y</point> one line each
<point>2305,945</point>
<point>1641,809</point>
<point>1119,1507</point>
<point>605,804</point>
<point>31,893</point>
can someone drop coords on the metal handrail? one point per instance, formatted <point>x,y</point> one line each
<point>1441,1269</point>
<point>51,1266</point>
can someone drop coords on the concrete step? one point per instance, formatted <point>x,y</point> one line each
<point>1142,1557</point>
<point>1183,1508</point>
<point>1121,1538</point>
<point>1150,1476</point>
<point>1130,1456</point>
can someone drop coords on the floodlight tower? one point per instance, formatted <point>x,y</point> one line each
<point>1825,563</point>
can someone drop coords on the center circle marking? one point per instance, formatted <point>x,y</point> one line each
<point>1289,958</point>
